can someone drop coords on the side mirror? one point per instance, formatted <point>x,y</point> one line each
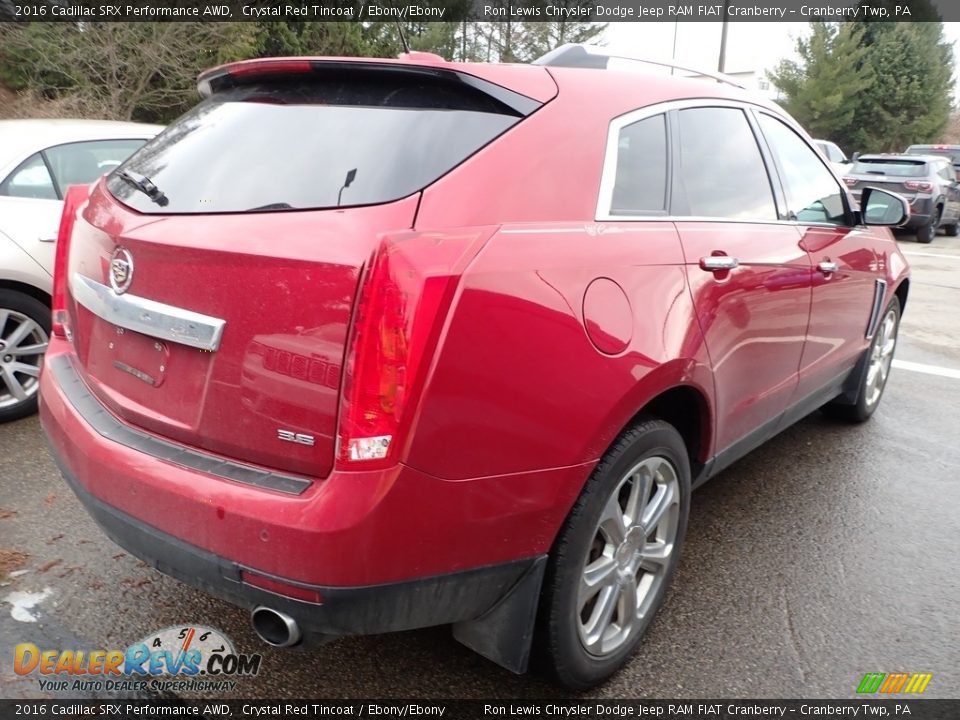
<point>855,156</point>
<point>881,207</point>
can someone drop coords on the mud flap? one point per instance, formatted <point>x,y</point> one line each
<point>504,634</point>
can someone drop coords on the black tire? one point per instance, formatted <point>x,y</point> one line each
<point>559,641</point>
<point>868,400</point>
<point>14,307</point>
<point>926,233</point>
<point>952,230</point>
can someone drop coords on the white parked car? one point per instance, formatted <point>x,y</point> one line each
<point>832,152</point>
<point>39,159</point>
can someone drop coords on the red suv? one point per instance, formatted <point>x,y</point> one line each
<point>371,345</point>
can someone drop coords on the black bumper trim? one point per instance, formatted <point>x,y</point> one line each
<point>108,426</point>
<point>365,610</point>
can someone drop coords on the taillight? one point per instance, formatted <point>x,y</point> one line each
<point>918,186</point>
<point>850,181</point>
<point>407,289</point>
<point>75,196</point>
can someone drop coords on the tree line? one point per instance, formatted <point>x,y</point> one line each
<point>872,86</point>
<point>147,71</point>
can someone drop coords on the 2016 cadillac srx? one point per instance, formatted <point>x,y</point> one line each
<point>370,345</point>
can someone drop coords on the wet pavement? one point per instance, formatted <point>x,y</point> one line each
<point>830,552</point>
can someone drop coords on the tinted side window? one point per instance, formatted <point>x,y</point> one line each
<point>813,194</point>
<point>30,180</point>
<point>721,171</point>
<point>641,182</point>
<point>83,162</point>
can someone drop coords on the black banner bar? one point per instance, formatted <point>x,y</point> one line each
<point>912,708</point>
<point>478,10</point>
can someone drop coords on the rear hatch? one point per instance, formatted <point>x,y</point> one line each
<point>213,275</point>
<point>897,174</point>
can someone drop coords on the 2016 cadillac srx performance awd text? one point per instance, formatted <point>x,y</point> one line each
<point>370,345</point>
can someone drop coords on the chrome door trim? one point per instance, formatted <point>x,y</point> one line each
<point>609,173</point>
<point>879,293</point>
<point>159,320</point>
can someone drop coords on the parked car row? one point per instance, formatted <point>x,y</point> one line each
<point>452,343</point>
<point>926,175</point>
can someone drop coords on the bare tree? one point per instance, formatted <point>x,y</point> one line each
<point>137,70</point>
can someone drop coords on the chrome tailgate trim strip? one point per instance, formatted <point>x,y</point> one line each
<point>159,320</point>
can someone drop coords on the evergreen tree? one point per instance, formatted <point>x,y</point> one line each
<point>823,88</point>
<point>869,85</point>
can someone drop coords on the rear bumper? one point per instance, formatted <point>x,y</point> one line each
<point>347,531</point>
<point>437,600</point>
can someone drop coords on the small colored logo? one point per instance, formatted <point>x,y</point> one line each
<point>892,683</point>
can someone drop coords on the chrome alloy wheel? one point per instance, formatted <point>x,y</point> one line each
<point>881,356</point>
<point>22,344</point>
<point>628,558</point>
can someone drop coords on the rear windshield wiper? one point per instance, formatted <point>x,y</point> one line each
<point>144,185</point>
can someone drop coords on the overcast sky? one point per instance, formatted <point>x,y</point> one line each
<point>750,45</point>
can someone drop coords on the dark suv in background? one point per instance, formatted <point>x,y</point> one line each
<point>928,182</point>
<point>949,151</point>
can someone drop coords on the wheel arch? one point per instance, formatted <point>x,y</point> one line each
<point>901,291</point>
<point>687,409</point>
<point>27,289</point>
<point>680,401</point>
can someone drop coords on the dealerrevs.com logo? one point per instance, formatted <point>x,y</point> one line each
<point>177,658</point>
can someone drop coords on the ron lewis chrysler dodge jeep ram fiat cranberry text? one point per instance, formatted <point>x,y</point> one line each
<point>370,345</point>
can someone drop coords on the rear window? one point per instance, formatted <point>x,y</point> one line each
<point>899,168</point>
<point>307,143</point>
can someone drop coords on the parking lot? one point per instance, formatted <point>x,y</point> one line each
<point>828,553</point>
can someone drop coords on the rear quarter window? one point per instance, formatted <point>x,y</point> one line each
<point>312,143</point>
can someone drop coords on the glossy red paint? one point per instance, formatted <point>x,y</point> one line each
<point>523,378</point>
<point>285,284</point>
<point>353,529</point>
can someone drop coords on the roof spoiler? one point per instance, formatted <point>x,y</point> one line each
<point>424,66</point>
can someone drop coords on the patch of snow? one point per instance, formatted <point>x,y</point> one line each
<point>21,603</point>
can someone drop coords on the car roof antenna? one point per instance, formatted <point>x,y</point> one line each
<point>403,39</point>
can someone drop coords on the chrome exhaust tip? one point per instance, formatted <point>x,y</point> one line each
<point>274,627</point>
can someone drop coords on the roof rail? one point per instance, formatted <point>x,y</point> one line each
<point>581,55</point>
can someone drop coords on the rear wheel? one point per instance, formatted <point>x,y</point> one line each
<point>24,333</point>
<point>926,233</point>
<point>879,362</point>
<point>615,556</point>
<point>952,230</point>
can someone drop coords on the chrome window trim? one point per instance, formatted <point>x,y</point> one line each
<point>159,320</point>
<point>609,173</point>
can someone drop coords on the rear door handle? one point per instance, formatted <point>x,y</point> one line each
<point>827,267</point>
<point>718,262</point>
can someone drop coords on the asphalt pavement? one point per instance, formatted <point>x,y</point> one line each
<point>830,552</point>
